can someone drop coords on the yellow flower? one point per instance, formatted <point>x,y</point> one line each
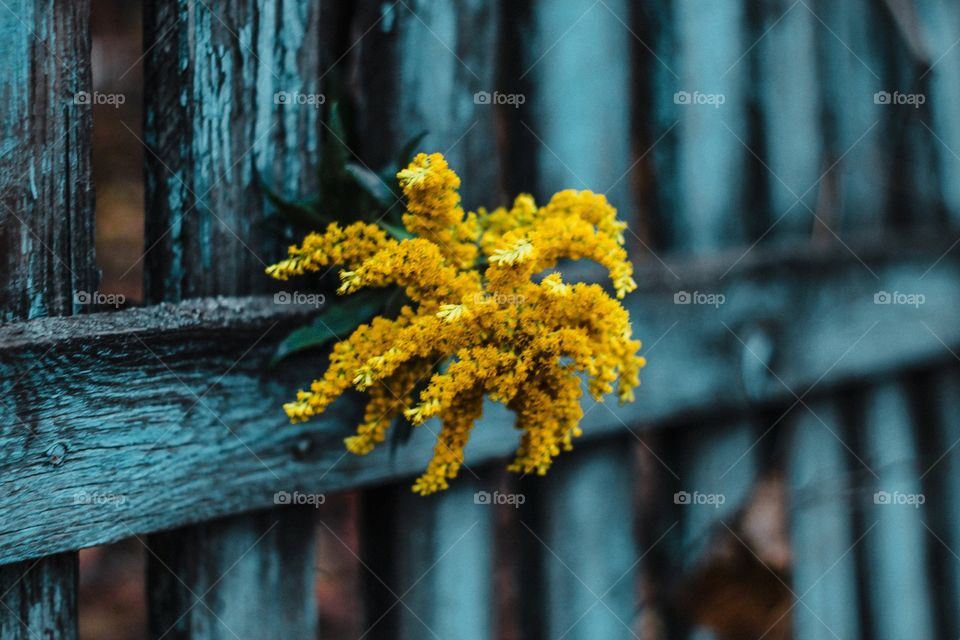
<point>476,304</point>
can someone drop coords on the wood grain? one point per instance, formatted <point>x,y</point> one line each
<point>126,410</point>
<point>235,95</point>
<point>46,239</point>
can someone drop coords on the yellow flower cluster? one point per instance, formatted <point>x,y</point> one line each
<point>480,307</point>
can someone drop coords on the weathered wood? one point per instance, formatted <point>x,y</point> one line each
<point>39,598</point>
<point>820,472</point>
<point>939,26</point>
<point>586,541</point>
<point>567,44</point>
<point>857,130</point>
<point>583,546</point>
<point>221,86</point>
<point>128,417</point>
<point>429,562</point>
<point>247,577</point>
<point>700,65</point>
<point>898,586</point>
<point>235,94</point>
<point>46,194</point>
<point>791,99</point>
<point>424,66</point>
<point>46,238</point>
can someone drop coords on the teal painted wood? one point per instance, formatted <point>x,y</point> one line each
<point>138,390</point>
<point>940,473</point>
<point>246,577</point>
<point>39,598</point>
<point>46,196</point>
<point>790,98</point>
<point>578,131</point>
<point>226,108</point>
<point>222,105</point>
<point>578,113</point>
<point>820,474</point>
<point>46,240</point>
<point>426,66</point>
<point>857,131</point>
<point>422,67</point>
<point>939,24</point>
<point>429,562</point>
<point>717,460</point>
<point>899,588</point>
<point>710,106</point>
<point>587,547</point>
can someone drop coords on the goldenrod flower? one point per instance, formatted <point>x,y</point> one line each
<point>527,354</point>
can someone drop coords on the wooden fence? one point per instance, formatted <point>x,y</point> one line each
<point>772,153</point>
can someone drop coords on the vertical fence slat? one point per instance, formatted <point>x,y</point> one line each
<point>246,577</point>
<point>790,98</point>
<point>900,599</point>
<point>711,157</point>
<point>430,564</point>
<point>856,128</point>
<point>578,128</point>
<point>580,108</point>
<point>46,240</point>
<point>941,471</point>
<point>213,78</point>
<point>213,121</point>
<point>940,25</point>
<point>822,528</point>
<point>420,67</point>
<point>589,552</point>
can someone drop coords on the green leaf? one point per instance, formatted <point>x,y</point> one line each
<point>406,153</point>
<point>337,320</point>
<point>302,213</point>
<point>372,184</point>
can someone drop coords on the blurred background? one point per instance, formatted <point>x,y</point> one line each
<point>809,144</point>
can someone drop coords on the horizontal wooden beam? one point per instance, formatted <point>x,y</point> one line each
<point>124,423</point>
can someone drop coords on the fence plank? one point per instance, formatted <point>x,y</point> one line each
<point>578,128</point>
<point>138,406</point>
<point>46,239</point>
<point>940,24</point>
<point>822,527</point>
<point>429,563</point>
<point>790,96</point>
<point>898,586</point>
<point>244,577</point>
<point>214,78</point>
<point>421,67</point>
<point>214,121</point>
<point>586,539</point>
<point>856,128</point>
